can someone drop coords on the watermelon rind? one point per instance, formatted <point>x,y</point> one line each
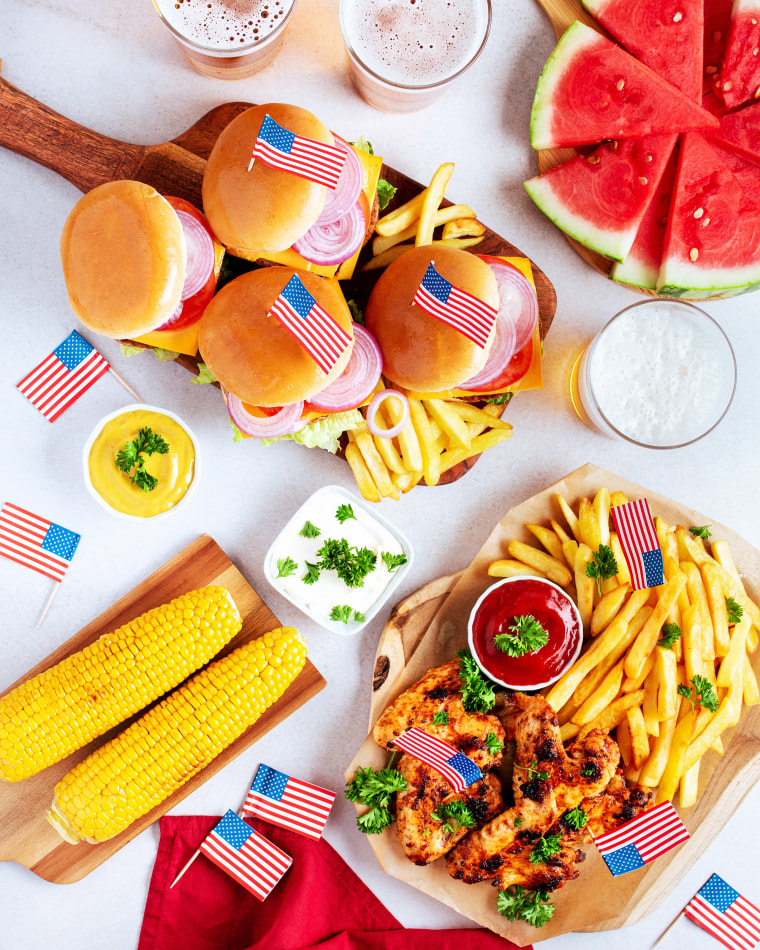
<point>635,273</point>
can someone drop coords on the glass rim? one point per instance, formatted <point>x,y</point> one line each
<point>684,305</point>
<point>426,86</point>
<point>216,52</point>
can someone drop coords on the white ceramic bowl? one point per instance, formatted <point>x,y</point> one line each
<point>307,598</point>
<point>98,429</point>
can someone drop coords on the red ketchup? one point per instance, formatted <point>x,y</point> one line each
<point>499,608</point>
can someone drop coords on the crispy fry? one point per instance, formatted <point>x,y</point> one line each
<point>588,525</point>
<point>511,568</point>
<point>570,517</point>
<point>450,423</point>
<point>618,498</point>
<point>443,215</point>
<point>387,447</point>
<point>431,199</point>
<point>655,764</point>
<point>689,787</point>
<point>560,531</point>
<point>666,667</point>
<point>690,548</point>
<point>691,637</point>
<point>623,574</point>
<point>554,569</point>
<point>463,227</point>
<point>732,667</point>
<point>647,639</point>
<point>603,696</point>
<point>407,480</point>
<point>623,739</point>
<point>487,440</point>
<point>631,683</point>
<point>375,465</point>
<point>595,676</point>
<point>649,706</point>
<point>431,457</point>
<point>361,473</point>
<point>727,715</point>
<point>639,737</point>
<point>584,585</point>
<point>488,416</point>
<point>716,603</point>
<point>601,505</point>
<point>608,607</point>
<point>698,598</point>
<point>570,553</point>
<point>400,218</point>
<point>614,714</point>
<point>548,539</point>
<point>750,691</point>
<point>674,767</point>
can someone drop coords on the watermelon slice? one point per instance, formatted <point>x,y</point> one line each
<point>666,35</point>
<point>712,245</point>
<point>740,72</point>
<point>591,90</point>
<point>641,266</point>
<point>740,131</point>
<point>717,25</point>
<point>600,199</point>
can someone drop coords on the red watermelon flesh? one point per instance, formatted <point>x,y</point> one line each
<point>713,236</point>
<point>591,90</point>
<point>666,35</point>
<point>740,72</point>
<point>740,131</point>
<point>641,266</point>
<point>717,24</point>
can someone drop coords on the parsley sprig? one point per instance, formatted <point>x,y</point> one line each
<point>576,818</point>
<point>286,566</point>
<point>603,565</point>
<point>527,636</point>
<point>392,561</point>
<point>345,513</point>
<point>130,459</point>
<point>350,563</point>
<point>441,718</point>
<point>735,610</point>
<point>309,530</point>
<point>533,772</point>
<point>534,907</point>
<point>493,743</point>
<point>454,815</point>
<point>478,692</point>
<point>546,847</point>
<point>343,613</point>
<point>670,633</point>
<point>701,531</point>
<point>375,789</point>
<point>700,693</point>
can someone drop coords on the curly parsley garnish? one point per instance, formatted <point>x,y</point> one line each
<point>454,815</point>
<point>343,613</point>
<point>602,565</point>
<point>493,743</point>
<point>375,789</point>
<point>309,530</point>
<point>441,718</point>
<point>478,693</point>
<point>670,633</point>
<point>527,636</point>
<point>703,531</point>
<point>576,818</point>
<point>700,693</point>
<point>130,458</point>
<point>534,907</point>
<point>546,847</point>
<point>735,610</point>
<point>345,513</point>
<point>286,566</point>
<point>392,561</point>
<point>351,564</point>
<point>312,574</point>
<point>533,772</point>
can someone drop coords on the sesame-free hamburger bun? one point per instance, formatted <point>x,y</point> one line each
<point>123,255</point>
<point>252,354</point>
<point>421,352</point>
<point>264,209</point>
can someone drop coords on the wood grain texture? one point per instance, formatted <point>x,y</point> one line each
<point>25,835</point>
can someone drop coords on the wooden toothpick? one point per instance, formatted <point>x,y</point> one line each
<point>126,385</point>
<point>45,609</point>
<point>666,931</point>
<point>187,865</point>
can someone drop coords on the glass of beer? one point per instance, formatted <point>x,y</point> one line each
<point>227,39</point>
<point>661,374</point>
<point>402,54</point>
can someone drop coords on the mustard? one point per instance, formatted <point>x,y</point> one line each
<point>174,470</point>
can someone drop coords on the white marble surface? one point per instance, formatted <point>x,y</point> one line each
<point>112,68</point>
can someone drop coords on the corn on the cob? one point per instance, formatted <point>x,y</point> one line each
<point>139,768</point>
<point>50,716</point>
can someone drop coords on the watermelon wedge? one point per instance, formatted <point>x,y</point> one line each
<point>591,90</point>
<point>740,72</point>
<point>601,198</point>
<point>666,35</point>
<point>712,245</point>
<point>641,266</point>
<point>740,131</point>
<point>717,15</point>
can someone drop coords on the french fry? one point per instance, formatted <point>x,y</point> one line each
<point>407,480</point>
<point>614,714</point>
<point>569,731</point>
<point>408,442</point>
<point>488,416</point>
<point>570,553</point>
<point>451,423</point>
<point>402,217</point>
<point>570,517</point>
<point>608,607</point>
<point>618,498</point>
<point>666,667</point>
<point>379,261</point>
<point>646,640</point>
<point>482,442</point>
<point>649,706</point>
<point>386,447</point>
<point>716,604</point>
<point>361,473</point>
<point>750,691</point>
<point>431,199</point>
<point>726,716</point>
<point>588,525</point>
<point>512,568</point>
<point>554,569</point>
<point>431,457</point>
<point>731,668</point>
<point>690,547</point>
<point>689,788</point>
<point>623,574</point>
<point>593,678</point>
<point>638,735</point>
<point>623,739</point>
<point>603,696</point>
<point>674,768</point>
<point>584,585</point>
<point>698,598</point>
<point>548,539</point>
<point>560,531</point>
<point>375,465</point>
<point>443,215</point>
<point>654,766</point>
<point>632,683</point>
<point>463,227</point>
<point>691,637</point>
<point>601,505</point>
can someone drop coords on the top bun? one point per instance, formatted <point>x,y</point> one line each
<point>264,209</point>
<point>252,354</point>
<point>123,254</point>
<point>421,352</point>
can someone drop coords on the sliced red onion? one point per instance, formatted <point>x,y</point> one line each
<point>377,401</point>
<point>345,194</point>
<point>517,299</point>
<point>284,422</point>
<point>200,254</point>
<point>501,352</point>
<point>358,379</point>
<point>336,242</point>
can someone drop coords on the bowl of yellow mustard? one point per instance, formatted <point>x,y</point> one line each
<point>141,462</point>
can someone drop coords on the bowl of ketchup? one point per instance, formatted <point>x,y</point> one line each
<point>499,611</point>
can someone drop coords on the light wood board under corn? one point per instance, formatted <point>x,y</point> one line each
<point>25,835</point>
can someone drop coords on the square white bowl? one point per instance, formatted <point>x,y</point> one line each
<point>290,536</point>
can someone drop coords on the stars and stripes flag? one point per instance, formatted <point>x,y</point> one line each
<point>288,802</point>
<point>725,914</point>
<point>318,333</point>
<point>281,148</point>
<point>643,839</point>
<point>641,547</point>
<point>469,315</point>
<point>61,378</point>
<point>248,857</point>
<point>459,771</point>
<point>35,542</point>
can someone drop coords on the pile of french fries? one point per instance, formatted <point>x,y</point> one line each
<point>625,680</point>
<point>439,434</point>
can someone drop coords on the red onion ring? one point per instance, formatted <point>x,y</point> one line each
<point>358,379</point>
<point>336,242</point>
<point>377,401</point>
<point>284,422</point>
<point>517,298</point>
<point>340,199</point>
<point>501,352</point>
<point>200,254</point>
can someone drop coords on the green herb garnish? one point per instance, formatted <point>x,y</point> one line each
<point>344,513</point>
<point>602,565</point>
<point>533,772</point>
<point>518,822</point>
<point>309,530</point>
<point>375,789</point>
<point>344,613</point>
<point>385,192</point>
<point>589,771</point>
<point>703,531</point>
<point>286,566</point>
<point>527,636</point>
<point>493,743</point>
<point>735,610</point>
<point>312,574</point>
<point>392,561</point>
<point>478,694</point>
<point>441,718</point>
<point>576,818</point>
<point>455,815</point>
<point>546,847</point>
<point>534,907</point>
<point>501,400</point>
<point>700,693</point>
<point>351,564</point>
<point>670,633</point>
<point>130,458</point>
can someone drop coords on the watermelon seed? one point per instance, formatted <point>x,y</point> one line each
<point>705,222</point>
<point>699,212</point>
<point>693,254</point>
<point>717,36</point>
<point>620,83</point>
<point>593,159</point>
<point>727,85</point>
<point>710,70</point>
<point>757,92</point>
<point>678,17</point>
<point>649,158</point>
<point>642,180</point>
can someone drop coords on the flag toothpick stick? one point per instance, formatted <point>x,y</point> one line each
<point>185,868</point>
<point>45,609</point>
<point>125,384</point>
<point>666,931</point>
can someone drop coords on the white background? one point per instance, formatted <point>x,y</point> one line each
<point>112,68</point>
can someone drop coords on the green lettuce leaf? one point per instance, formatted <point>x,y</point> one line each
<point>323,433</point>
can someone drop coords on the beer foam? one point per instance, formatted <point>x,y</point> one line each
<point>415,42</point>
<point>225,24</point>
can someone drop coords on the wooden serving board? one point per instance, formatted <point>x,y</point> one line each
<point>25,835</point>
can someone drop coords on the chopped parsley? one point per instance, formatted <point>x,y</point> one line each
<point>130,458</point>
<point>533,772</point>
<point>351,564</point>
<point>493,743</point>
<point>546,847</point>
<point>375,789</point>
<point>454,815</point>
<point>309,530</point>
<point>703,693</point>
<point>735,610</point>
<point>670,633</point>
<point>286,566</point>
<point>345,513</point>
<point>534,907</point>
<point>392,561</point>
<point>527,636</point>
<point>603,565</point>
<point>478,692</point>
<point>343,613</point>
<point>441,718</point>
<point>576,818</point>
<point>703,531</point>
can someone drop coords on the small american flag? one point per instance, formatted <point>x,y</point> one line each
<point>322,337</point>
<point>289,802</point>
<point>640,841</point>
<point>469,315</point>
<point>280,148</point>
<point>245,855</point>
<point>35,542</point>
<point>725,914</point>
<point>61,378</point>
<point>454,766</point>
<point>641,547</point>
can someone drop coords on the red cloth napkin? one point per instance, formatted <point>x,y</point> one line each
<point>320,903</point>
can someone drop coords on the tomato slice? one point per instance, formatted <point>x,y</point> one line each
<point>191,309</point>
<point>515,369</point>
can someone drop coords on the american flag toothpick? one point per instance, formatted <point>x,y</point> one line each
<point>283,149</point>
<point>288,802</point>
<point>459,771</point>
<point>472,317</point>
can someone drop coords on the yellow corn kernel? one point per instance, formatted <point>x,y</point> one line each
<point>57,712</point>
<point>135,771</point>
